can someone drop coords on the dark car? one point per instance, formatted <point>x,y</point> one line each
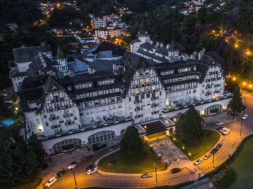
<point>218,146</point>
<point>210,124</point>
<point>60,173</point>
<point>213,151</point>
<point>175,170</point>
<point>219,128</point>
<point>90,167</point>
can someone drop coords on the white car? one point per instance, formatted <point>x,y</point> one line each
<point>199,161</point>
<point>51,181</point>
<point>245,116</point>
<point>91,170</point>
<point>225,131</point>
<point>146,175</point>
<point>72,165</point>
<point>219,123</point>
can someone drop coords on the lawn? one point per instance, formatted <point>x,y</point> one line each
<point>243,166</point>
<point>113,163</point>
<point>196,150</point>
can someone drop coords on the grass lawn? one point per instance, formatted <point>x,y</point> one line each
<point>194,151</point>
<point>243,166</point>
<point>113,163</point>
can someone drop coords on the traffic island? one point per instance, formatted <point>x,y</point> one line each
<point>199,148</point>
<point>115,163</point>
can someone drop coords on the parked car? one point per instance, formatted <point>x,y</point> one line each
<point>51,181</point>
<point>219,128</point>
<point>218,146</point>
<point>199,161</point>
<point>86,158</point>
<point>91,169</point>
<point>207,156</point>
<point>225,131</point>
<point>219,123</point>
<point>72,165</point>
<point>175,170</point>
<point>210,124</point>
<point>245,116</point>
<point>146,175</point>
<point>213,151</point>
<point>62,172</point>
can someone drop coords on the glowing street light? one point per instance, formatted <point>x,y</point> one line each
<point>183,147</point>
<point>213,31</point>
<point>236,45</point>
<point>234,78</point>
<point>250,86</point>
<point>248,53</point>
<point>244,83</point>
<point>58,5</point>
<point>189,154</point>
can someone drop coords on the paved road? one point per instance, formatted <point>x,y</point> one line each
<point>229,145</point>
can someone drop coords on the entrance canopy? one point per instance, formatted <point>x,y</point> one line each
<point>156,129</point>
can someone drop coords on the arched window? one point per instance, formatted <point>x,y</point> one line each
<point>102,136</point>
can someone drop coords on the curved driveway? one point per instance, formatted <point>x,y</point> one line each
<point>111,180</point>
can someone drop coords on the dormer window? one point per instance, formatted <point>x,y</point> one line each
<point>182,70</point>
<point>106,82</point>
<point>169,72</point>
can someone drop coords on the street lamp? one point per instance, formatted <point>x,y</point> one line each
<point>74,179</point>
<point>155,173</point>
<point>213,160</point>
<point>242,120</point>
<point>248,53</point>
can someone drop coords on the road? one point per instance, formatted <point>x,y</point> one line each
<point>229,142</point>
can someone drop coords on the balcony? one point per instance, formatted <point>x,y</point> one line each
<point>52,118</point>
<point>69,123</point>
<point>67,115</point>
<point>154,98</point>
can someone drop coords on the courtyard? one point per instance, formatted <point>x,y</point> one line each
<point>167,150</point>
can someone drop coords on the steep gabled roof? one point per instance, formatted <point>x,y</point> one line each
<point>59,54</point>
<point>142,29</point>
<point>25,54</point>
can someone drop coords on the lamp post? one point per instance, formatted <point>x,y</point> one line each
<point>242,119</point>
<point>74,179</point>
<point>213,160</point>
<point>155,173</point>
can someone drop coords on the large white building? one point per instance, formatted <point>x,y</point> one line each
<point>93,97</point>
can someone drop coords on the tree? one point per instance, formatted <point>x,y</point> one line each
<point>131,145</point>
<point>235,105</point>
<point>19,162</point>
<point>189,126</point>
